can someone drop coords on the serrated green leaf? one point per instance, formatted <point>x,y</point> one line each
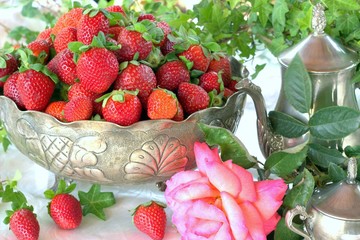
<point>263,9</point>
<point>75,47</point>
<point>298,86</point>
<point>287,125</point>
<point>2,63</point>
<point>334,122</point>
<point>301,192</point>
<point>231,147</point>
<point>279,12</point>
<point>94,201</point>
<point>323,156</point>
<point>350,5</point>
<point>283,163</point>
<point>336,173</point>
<point>347,23</point>
<point>212,46</point>
<point>258,69</point>
<point>29,11</point>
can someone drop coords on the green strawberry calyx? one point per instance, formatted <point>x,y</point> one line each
<point>9,194</point>
<point>116,95</point>
<point>149,31</point>
<point>147,204</point>
<point>4,56</point>
<point>62,187</point>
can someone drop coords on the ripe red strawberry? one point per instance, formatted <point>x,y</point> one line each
<point>210,81</point>
<point>97,69</point>
<point>162,104</point>
<point>68,19</point>
<point>11,66</point>
<point>192,97</point>
<point>150,218</point>
<point>200,57</point>
<point>171,74</point>
<point>39,46</point>
<point>56,109</point>
<point>78,90</point>
<point>66,211</point>
<point>122,107</point>
<point>11,90</point>
<point>64,66</point>
<point>166,29</point>
<point>179,116</point>
<point>221,64</point>
<point>63,38</point>
<point>116,8</point>
<point>232,85</point>
<point>228,92</point>
<point>79,108</point>
<point>146,16</point>
<point>35,89</point>
<point>90,26</point>
<point>115,31</point>
<point>24,225</point>
<point>135,77</point>
<point>45,35</point>
<point>167,47</point>
<point>131,43</point>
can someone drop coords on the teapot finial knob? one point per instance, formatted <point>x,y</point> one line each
<point>351,171</point>
<point>318,19</point>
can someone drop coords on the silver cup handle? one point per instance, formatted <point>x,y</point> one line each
<point>298,210</point>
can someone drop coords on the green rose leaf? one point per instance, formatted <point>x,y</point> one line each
<point>287,125</point>
<point>297,85</point>
<point>283,232</point>
<point>231,147</point>
<point>334,122</point>
<point>301,192</point>
<point>323,156</point>
<point>336,173</point>
<point>283,163</point>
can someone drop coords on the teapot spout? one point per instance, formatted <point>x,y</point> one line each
<point>269,141</point>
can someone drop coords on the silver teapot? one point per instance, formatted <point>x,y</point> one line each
<point>333,212</point>
<point>331,67</point>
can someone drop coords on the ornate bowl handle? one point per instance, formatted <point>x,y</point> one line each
<point>298,210</point>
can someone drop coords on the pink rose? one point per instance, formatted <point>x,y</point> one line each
<point>221,201</point>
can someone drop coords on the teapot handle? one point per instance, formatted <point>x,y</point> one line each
<point>298,210</point>
<point>269,142</point>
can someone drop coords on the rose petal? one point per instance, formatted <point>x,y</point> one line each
<point>195,191</point>
<point>180,178</point>
<point>204,210</point>
<point>271,223</point>
<point>206,228</point>
<point>223,178</point>
<point>224,233</point>
<point>204,155</point>
<point>253,221</point>
<point>248,192</point>
<point>270,195</point>
<point>235,216</point>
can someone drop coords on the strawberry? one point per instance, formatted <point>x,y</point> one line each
<point>78,90</point>
<point>90,25</point>
<point>192,97</point>
<point>115,31</point>
<point>64,37</point>
<point>35,89</point>
<point>122,107</point>
<point>171,74</point>
<point>66,211</point>
<point>199,56</point>
<point>40,46</point>
<point>221,63</point>
<point>45,35</point>
<point>232,85</point>
<point>65,67</point>
<point>97,69</point>
<point>21,218</point>
<point>137,76</point>
<point>116,8</point>
<point>162,104</point>
<point>166,29</point>
<point>68,19</point>
<point>56,109</point>
<point>167,47</point>
<point>179,116</point>
<point>24,225</point>
<point>228,92</point>
<point>64,208</point>
<point>150,218</point>
<point>11,90</point>
<point>210,81</point>
<point>79,108</point>
<point>146,16</point>
<point>9,67</point>
<point>131,43</point>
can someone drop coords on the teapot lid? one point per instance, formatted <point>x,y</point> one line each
<point>319,52</point>
<point>341,200</point>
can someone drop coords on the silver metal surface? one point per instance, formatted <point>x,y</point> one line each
<point>333,211</point>
<point>106,153</point>
<point>331,67</point>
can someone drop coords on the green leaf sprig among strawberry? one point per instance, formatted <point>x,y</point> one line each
<point>90,53</point>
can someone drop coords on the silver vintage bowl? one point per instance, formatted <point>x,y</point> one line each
<point>106,153</point>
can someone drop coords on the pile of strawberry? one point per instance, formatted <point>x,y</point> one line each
<point>121,66</point>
